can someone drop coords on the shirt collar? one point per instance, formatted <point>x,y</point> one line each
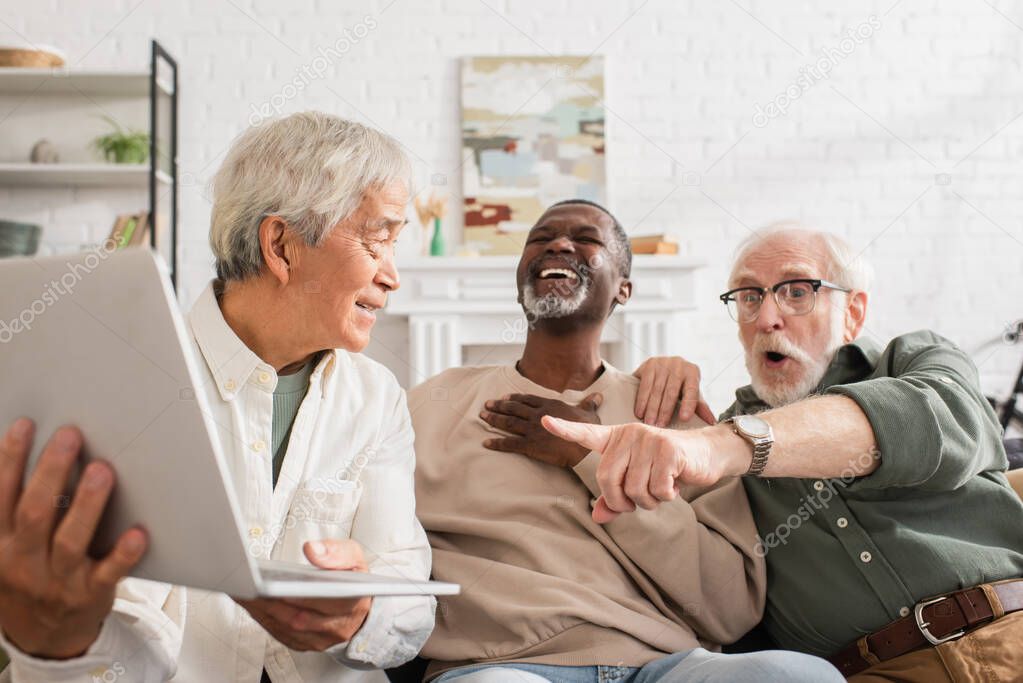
<point>230,361</point>
<point>324,369</point>
<point>852,361</point>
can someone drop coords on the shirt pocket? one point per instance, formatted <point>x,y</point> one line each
<point>318,514</point>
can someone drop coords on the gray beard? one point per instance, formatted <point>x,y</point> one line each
<point>776,395</point>
<point>551,305</point>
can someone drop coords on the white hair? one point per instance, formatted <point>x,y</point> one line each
<point>311,169</point>
<point>845,266</point>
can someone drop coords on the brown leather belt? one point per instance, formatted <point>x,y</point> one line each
<point>934,621</point>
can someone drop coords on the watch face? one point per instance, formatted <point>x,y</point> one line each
<point>753,425</point>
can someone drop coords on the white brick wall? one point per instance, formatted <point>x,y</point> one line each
<point>858,153</point>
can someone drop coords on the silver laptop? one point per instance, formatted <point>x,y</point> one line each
<point>96,339</point>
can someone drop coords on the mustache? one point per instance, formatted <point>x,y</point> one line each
<point>763,343</point>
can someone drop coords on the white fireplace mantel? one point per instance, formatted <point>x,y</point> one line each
<point>454,302</point>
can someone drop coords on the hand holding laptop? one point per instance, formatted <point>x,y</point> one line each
<point>53,596</point>
<point>152,419</point>
<point>316,623</point>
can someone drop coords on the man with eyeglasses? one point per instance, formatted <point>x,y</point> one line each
<point>876,476</point>
<point>552,596</point>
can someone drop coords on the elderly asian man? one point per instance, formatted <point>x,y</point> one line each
<point>306,210</point>
<point>893,540</point>
<point>550,595</point>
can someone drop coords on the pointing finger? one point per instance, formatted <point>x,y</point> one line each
<point>594,437</point>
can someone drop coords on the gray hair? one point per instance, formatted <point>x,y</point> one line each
<point>311,169</point>
<point>845,266</point>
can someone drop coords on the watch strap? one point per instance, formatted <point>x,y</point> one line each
<point>761,449</point>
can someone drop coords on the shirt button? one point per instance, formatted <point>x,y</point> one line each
<point>229,385</point>
<point>903,611</point>
<point>256,532</point>
<point>866,557</point>
<point>258,445</point>
<point>842,522</point>
<point>264,378</point>
<point>818,485</point>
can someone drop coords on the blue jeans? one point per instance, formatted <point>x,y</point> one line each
<point>693,666</point>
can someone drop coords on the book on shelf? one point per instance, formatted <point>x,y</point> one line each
<point>653,244</point>
<point>131,230</point>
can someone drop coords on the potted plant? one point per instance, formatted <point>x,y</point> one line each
<point>123,146</point>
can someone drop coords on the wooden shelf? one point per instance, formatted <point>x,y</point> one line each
<point>25,81</point>
<point>65,96</point>
<point>90,175</point>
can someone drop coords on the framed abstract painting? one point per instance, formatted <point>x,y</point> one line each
<point>532,135</point>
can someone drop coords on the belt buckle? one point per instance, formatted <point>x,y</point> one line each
<point>918,612</point>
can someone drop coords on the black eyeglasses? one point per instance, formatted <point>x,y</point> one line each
<point>793,297</point>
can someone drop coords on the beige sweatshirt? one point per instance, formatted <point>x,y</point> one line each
<point>541,582</point>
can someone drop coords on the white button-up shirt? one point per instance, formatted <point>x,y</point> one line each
<point>348,473</point>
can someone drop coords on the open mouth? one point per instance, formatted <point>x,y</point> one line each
<point>368,310</point>
<point>775,359</point>
<point>558,274</point>
<point>559,281</point>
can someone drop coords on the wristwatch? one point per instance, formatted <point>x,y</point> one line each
<point>761,437</point>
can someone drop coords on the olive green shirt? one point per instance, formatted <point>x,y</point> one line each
<point>847,556</point>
